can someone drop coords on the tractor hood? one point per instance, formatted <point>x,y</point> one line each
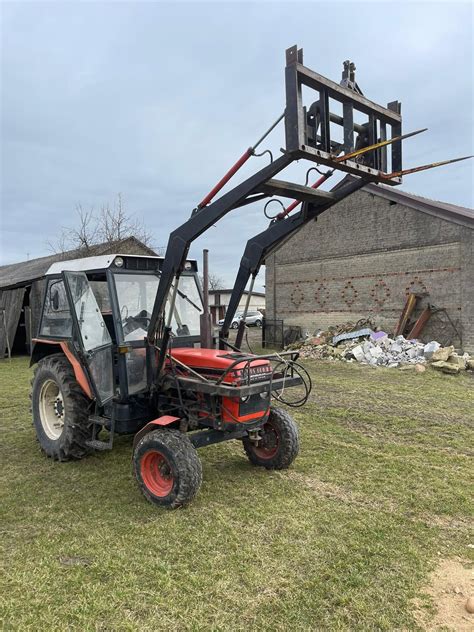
<point>214,359</point>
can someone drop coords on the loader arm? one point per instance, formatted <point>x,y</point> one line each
<point>261,245</point>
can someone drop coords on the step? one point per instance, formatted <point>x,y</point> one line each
<point>99,421</point>
<point>295,191</point>
<point>95,444</point>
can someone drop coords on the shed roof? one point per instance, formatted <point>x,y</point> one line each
<point>443,210</point>
<point>229,291</point>
<point>23,273</point>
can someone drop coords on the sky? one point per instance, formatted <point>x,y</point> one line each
<point>157,100</point>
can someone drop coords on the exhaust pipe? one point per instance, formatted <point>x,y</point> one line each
<point>205,319</point>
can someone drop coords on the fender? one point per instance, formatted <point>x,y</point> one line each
<point>79,372</point>
<point>164,420</point>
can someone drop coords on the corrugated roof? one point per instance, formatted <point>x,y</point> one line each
<point>23,273</point>
<point>450,212</point>
<point>231,290</point>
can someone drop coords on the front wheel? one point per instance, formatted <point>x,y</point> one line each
<point>234,325</point>
<point>258,323</point>
<point>279,445</point>
<point>167,468</point>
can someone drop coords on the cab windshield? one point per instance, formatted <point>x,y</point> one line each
<point>136,295</point>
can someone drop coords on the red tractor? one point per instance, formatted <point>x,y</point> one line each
<point>95,370</point>
<point>122,346</point>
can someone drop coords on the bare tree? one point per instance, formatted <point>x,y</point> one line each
<point>109,224</point>
<point>215,282</point>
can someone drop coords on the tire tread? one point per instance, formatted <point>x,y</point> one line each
<point>289,437</point>
<point>72,443</point>
<point>185,460</point>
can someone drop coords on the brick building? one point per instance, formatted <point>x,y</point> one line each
<point>364,255</point>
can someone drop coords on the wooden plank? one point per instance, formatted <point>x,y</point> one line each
<point>11,302</point>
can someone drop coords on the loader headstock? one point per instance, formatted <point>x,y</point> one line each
<point>324,119</point>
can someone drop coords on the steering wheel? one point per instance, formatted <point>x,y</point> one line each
<point>143,317</point>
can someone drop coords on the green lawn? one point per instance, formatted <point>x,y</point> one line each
<point>344,540</point>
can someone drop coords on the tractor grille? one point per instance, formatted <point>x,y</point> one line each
<point>139,263</point>
<point>254,404</point>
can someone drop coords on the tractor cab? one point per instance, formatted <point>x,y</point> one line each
<point>99,308</point>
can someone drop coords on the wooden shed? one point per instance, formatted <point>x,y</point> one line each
<point>22,287</point>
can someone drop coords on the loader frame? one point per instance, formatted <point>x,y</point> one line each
<point>305,139</point>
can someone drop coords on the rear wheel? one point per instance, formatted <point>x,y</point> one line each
<point>60,410</point>
<point>279,444</point>
<point>258,323</point>
<point>167,468</point>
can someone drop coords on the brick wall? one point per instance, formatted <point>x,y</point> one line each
<point>467,289</point>
<point>362,257</point>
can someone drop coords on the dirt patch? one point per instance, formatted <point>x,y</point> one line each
<point>330,490</point>
<point>451,584</point>
<point>320,487</point>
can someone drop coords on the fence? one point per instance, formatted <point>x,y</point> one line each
<point>275,335</point>
<point>272,334</point>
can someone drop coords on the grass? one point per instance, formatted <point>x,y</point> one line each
<point>344,540</point>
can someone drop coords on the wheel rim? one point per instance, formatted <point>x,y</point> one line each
<point>270,442</point>
<point>51,407</point>
<point>156,473</point>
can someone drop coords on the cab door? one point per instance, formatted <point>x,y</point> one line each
<point>94,336</point>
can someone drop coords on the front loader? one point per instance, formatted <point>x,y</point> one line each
<point>119,348</point>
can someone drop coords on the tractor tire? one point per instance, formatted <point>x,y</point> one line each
<point>167,468</point>
<point>60,410</point>
<point>280,442</point>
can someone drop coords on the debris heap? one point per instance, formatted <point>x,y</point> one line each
<point>377,348</point>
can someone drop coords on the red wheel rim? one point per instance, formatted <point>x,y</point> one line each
<point>268,446</point>
<point>156,473</point>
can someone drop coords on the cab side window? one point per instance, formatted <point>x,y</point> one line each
<point>56,319</point>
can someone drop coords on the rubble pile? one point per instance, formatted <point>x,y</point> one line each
<point>377,348</point>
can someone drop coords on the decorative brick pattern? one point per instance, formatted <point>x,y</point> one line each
<point>416,286</point>
<point>349,294</point>
<point>297,296</point>
<point>321,295</point>
<point>380,293</point>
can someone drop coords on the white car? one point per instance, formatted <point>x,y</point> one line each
<point>253,319</point>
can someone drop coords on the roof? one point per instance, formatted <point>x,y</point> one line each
<point>231,290</point>
<point>25,272</point>
<point>85,264</point>
<point>443,210</point>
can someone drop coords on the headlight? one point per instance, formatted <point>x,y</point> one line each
<point>188,265</point>
<point>264,394</point>
<point>244,399</point>
<point>118,261</point>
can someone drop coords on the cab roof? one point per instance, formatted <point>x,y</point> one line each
<point>103,262</point>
